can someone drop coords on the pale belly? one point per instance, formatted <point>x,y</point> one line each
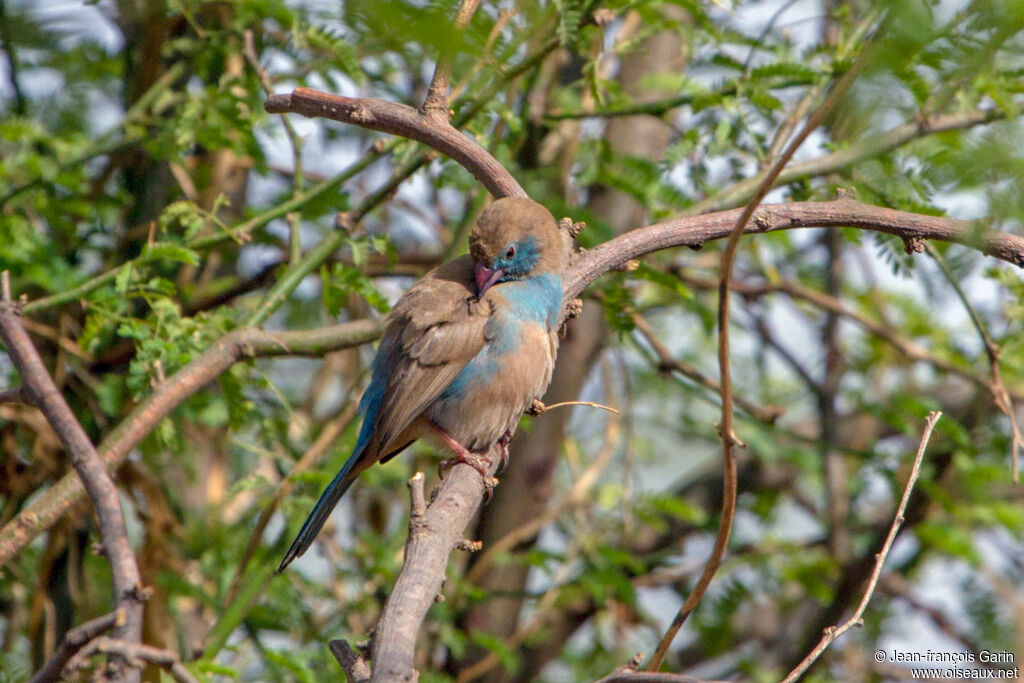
<point>494,390</point>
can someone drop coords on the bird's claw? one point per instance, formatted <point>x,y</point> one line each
<point>478,463</point>
<point>503,442</point>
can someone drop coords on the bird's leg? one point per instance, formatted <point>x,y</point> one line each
<point>462,455</point>
<point>503,442</point>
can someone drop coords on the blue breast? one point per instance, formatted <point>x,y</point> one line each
<point>534,300</point>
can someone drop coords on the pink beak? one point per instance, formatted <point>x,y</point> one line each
<point>485,277</point>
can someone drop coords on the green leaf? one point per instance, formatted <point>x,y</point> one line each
<point>123,278</point>
<point>170,252</point>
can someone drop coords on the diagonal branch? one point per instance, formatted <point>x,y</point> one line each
<point>833,632</point>
<point>40,390</point>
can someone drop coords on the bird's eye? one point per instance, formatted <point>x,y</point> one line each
<point>511,252</point>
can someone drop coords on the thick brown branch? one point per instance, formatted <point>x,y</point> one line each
<point>39,388</point>
<point>404,121</point>
<point>433,534</point>
<point>843,212</point>
<point>352,663</point>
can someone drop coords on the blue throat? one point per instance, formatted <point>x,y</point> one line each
<point>533,300</point>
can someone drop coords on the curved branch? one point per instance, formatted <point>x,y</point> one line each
<point>404,121</point>
<point>843,212</point>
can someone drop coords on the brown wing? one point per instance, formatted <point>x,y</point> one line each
<point>434,330</point>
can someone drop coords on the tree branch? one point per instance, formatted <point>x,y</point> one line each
<point>433,534</point>
<point>834,632</point>
<point>135,652</point>
<point>233,347</point>
<point>404,121</point>
<point>39,388</point>
<point>843,212</point>
<point>75,640</point>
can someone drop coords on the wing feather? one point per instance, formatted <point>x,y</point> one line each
<point>434,330</point>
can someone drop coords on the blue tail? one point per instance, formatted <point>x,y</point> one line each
<point>369,406</point>
<point>328,499</point>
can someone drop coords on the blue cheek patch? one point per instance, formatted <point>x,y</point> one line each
<point>527,255</point>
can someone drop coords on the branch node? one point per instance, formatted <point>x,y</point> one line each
<point>913,245</point>
<point>574,228</point>
<point>467,545</point>
<point>418,499</point>
<point>574,308</point>
<point>627,267</point>
<point>536,407</point>
<point>763,220</point>
<point>345,222</point>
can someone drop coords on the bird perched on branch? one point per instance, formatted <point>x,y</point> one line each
<point>464,351</point>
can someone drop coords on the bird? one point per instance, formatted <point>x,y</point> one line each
<point>464,351</point>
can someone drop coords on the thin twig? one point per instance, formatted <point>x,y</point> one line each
<point>834,632</point>
<point>1000,395</point>
<point>435,104</point>
<point>294,141</point>
<point>725,428</point>
<point>75,640</point>
<point>136,653</point>
<point>590,404</point>
<point>766,414</point>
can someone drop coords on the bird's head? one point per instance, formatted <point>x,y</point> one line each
<point>515,238</point>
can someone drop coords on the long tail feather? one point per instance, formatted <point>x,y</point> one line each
<point>316,520</point>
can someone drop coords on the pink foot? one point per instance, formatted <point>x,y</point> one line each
<point>462,455</point>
